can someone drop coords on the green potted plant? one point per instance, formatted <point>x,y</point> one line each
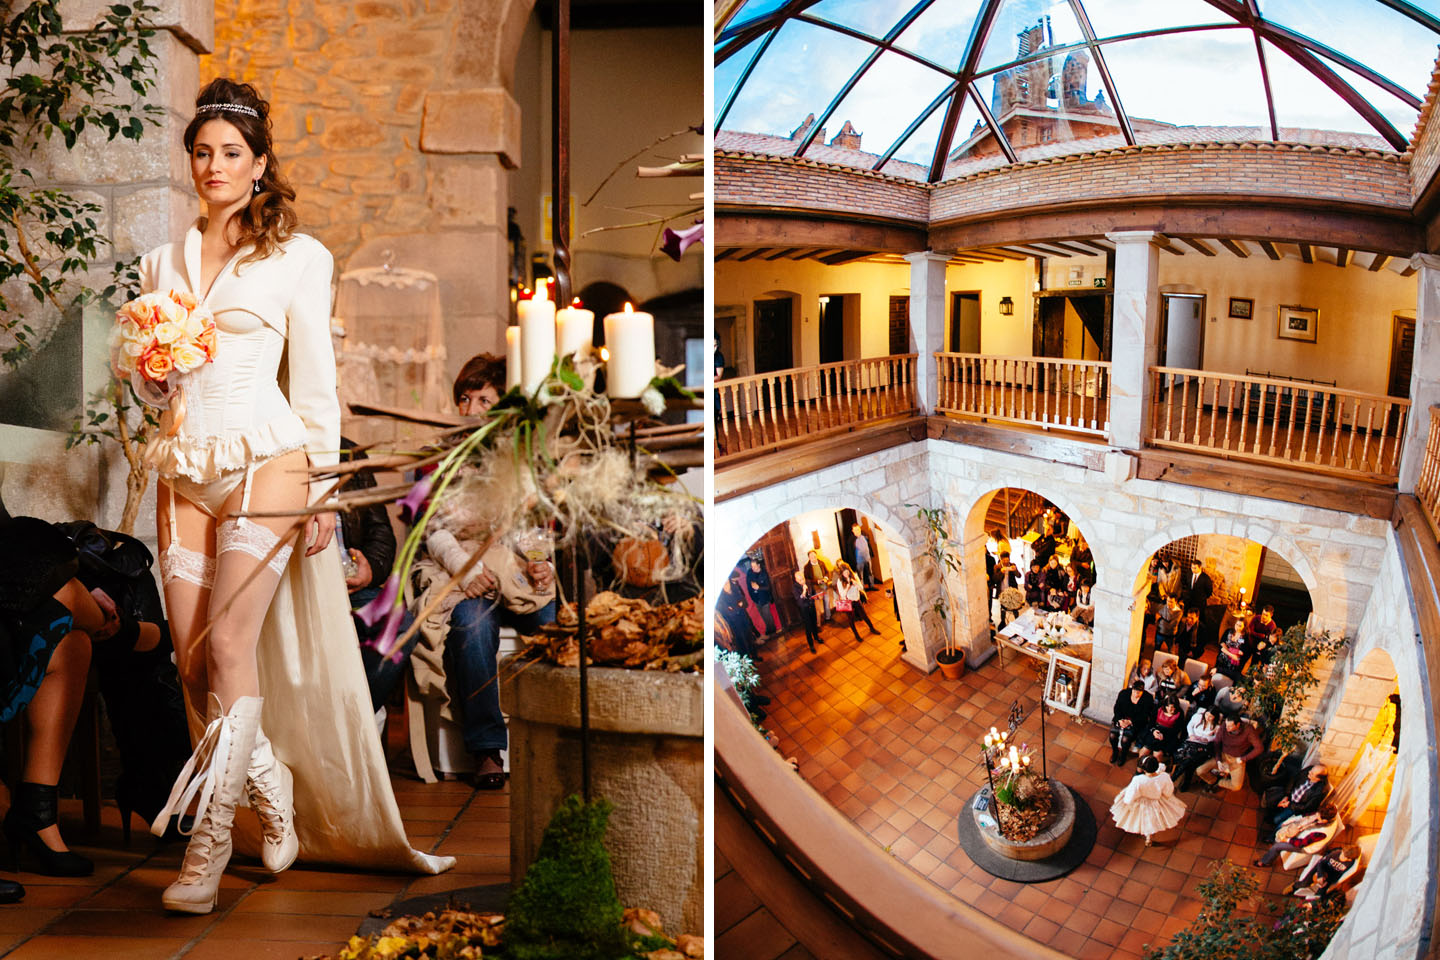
<point>1277,693</point>
<point>940,548</point>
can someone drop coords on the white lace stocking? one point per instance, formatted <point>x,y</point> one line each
<point>182,563</point>
<point>252,539</point>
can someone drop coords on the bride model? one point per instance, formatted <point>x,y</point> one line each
<point>263,640</point>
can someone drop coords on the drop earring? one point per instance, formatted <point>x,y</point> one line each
<point>257,186</point>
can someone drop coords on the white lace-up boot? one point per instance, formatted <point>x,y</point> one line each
<point>270,788</point>
<point>214,777</point>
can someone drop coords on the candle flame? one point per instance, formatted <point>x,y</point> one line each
<point>542,288</point>
<point>629,308</point>
<point>576,303</point>
<point>605,354</point>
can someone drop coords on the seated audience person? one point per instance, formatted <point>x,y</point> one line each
<point>370,546</point>
<point>1237,745</point>
<point>1305,796</point>
<point>1199,695</point>
<point>1199,745</point>
<point>1035,585</point>
<point>1167,621</point>
<point>50,620</point>
<point>1168,681</point>
<point>805,600</point>
<point>1231,703</point>
<point>1134,713</point>
<point>513,585</point>
<point>1261,635</point>
<point>1231,659</point>
<point>1057,585</point>
<point>1084,609</point>
<point>1298,832</point>
<point>757,582</point>
<point>1144,674</point>
<point>1320,879</point>
<point>1188,643</point>
<point>1164,736</point>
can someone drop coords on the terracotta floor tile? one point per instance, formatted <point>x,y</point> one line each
<point>114,948</point>
<point>313,903</point>
<point>263,950</point>
<point>252,926</point>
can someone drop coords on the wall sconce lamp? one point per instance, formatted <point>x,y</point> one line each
<point>1007,307</point>
<point>824,300</point>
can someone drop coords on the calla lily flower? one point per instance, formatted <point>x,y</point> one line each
<point>386,644</point>
<point>383,604</point>
<point>675,243</point>
<point>411,503</point>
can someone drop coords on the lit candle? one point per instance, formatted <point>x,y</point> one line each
<point>574,329</point>
<point>537,338</point>
<point>631,339</point>
<point>512,357</point>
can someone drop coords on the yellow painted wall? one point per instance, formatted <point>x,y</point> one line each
<point>1356,310</point>
<point>999,336</point>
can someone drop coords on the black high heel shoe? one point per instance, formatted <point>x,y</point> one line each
<point>34,807</point>
<point>11,892</point>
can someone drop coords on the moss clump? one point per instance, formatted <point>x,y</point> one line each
<point>566,907</point>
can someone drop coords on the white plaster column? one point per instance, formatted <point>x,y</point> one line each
<point>1135,335</point>
<point>927,321</point>
<point>1425,371</point>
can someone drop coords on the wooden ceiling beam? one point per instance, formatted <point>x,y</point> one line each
<point>1072,247</point>
<point>1198,245</point>
<point>1409,270</point>
<point>725,252</point>
<point>1342,256</point>
<point>737,228</point>
<point>1004,254</point>
<point>1163,242</point>
<point>752,254</point>
<point>1307,255</point>
<point>1378,261</point>
<point>845,256</point>
<point>1036,250</point>
<point>1234,248</point>
<point>1269,249</point>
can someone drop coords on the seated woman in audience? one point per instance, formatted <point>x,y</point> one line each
<point>50,620</point>
<point>1320,879</point>
<point>1167,731</point>
<point>1057,585</point>
<point>1133,714</point>
<point>1230,661</point>
<point>1298,832</point>
<point>1035,585</point>
<point>1084,609</point>
<point>1199,744</point>
<point>1168,680</point>
<point>1144,674</point>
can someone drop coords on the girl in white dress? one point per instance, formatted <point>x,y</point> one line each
<point>1148,804</point>
<point>247,617</point>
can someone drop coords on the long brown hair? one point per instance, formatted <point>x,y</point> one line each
<point>269,218</point>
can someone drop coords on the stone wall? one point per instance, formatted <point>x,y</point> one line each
<point>1394,901</point>
<point>395,123</point>
<point>146,199</point>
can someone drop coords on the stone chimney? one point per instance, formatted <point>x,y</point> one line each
<point>799,132</point>
<point>848,137</point>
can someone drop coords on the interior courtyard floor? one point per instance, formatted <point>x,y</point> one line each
<point>303,912</point>
<point>898,753</point>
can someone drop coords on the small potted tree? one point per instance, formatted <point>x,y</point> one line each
<point>1277,693</point>
<point>940,548</point>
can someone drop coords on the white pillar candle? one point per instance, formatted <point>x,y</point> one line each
<point>537,339</point>
<point>512,357</point>
<point>574,329</point>
<point>630,338</point>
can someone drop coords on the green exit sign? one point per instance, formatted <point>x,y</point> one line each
<point>1099,281</point>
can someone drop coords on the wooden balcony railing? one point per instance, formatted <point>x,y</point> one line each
<point>1278,421</point>
<point>780,409</point>
<point>1427,489</point>
<point>1062,394</point>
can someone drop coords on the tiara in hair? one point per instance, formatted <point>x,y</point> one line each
<point>232,107</point>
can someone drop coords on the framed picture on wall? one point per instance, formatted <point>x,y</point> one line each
<point>1298,323</point>
<point>1066,682</point>
<point>1242,308</point>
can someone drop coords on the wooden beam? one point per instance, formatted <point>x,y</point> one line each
<point>1199,245</point>
<point>845,256</point>
<point>1269,249</point>
<point>1378,260</point>
<point>1269,483</point>
<point>979,255</point>
<point>1037,444</point>
<point>1342,256</point>
<point>1039,251</point>
<point>782,253</point>
<point>1073,248</point>
<point>1409,271</point>
<point>752,254</point>
<point>1306,254</point>
<point>722,253</point>
<point>797,229</point>
<point>1101,243</point>
<point>1163,242</point>
<point>1089,247</point>
<point>1004,254</point>
<point>1234,248</point>
<point>770,469</point>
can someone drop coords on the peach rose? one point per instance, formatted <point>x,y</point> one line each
<point>156,364</point>
<point>187,356</point>
<point>206,340</point>
<point>185,299</point>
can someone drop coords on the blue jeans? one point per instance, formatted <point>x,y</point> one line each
<point>471,649</point>
<point>381,673</point>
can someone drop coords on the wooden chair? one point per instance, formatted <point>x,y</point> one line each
<point>435,742</point>
<point>1195,669</point>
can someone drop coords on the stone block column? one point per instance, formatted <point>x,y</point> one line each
<point>1425,371</point>
<point>927,321</point>
<point>1136,335</point>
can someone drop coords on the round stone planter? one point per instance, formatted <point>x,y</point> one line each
<point>647,757</point>
<point>1047,842</point>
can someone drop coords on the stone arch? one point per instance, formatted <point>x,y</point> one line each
<point>974,518</point>
<point>1254,531</point>
<point>1367,682</point>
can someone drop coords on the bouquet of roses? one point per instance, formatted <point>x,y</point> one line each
<point>160,335</point>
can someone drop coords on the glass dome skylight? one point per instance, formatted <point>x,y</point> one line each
<point>940,88</point>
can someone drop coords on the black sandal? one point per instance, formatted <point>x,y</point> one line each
<point>494,780</point>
